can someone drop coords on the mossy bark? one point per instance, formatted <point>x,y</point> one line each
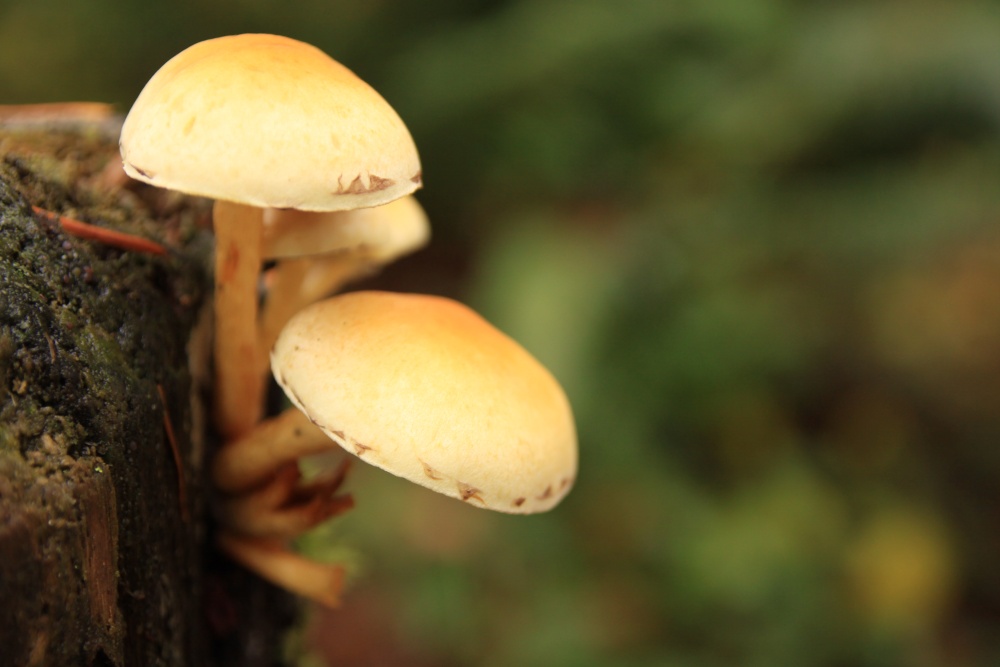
<point>105,532</point>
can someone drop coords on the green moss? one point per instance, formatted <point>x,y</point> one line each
<point>87,329</point>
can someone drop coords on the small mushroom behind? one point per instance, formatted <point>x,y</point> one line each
<point>380,232</point>
<point>320,252</point>
<point>259,121</point>
<point>426,389</point>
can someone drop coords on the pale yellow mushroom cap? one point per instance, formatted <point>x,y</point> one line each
<point>271,122</point>
<point>426,389</point>
<point>380,233</point>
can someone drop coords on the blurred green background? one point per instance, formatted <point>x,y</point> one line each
<point>758,242</point>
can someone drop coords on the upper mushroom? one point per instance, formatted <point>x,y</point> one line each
<point>262,121</point>
<point>268,121</point>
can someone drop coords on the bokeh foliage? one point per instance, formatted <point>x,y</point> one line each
<point>758,241</point>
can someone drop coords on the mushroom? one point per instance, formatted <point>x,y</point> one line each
<point>262,121</point>
<point>380,232</point>
<point>420,386</point>
<point>320,252</point>
<point>424,388</point>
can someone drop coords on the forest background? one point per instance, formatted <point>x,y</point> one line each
<point>759,244</point>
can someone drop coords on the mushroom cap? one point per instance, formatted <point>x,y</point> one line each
<point>380,233</point>
<point>428,390</point>
<point>268,121</point>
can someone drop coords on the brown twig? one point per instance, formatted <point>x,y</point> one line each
<point>178,463</point>
<point>103,235</point>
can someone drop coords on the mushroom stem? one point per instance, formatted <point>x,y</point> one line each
<point>248,517</point>
<point>251,460</point>
<point>277,491</point>
<point>281,301</point>
<point>273,561</point>
<point>239,388</point>
<point>283,508</point>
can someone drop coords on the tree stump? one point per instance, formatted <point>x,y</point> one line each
<point>106,553</point>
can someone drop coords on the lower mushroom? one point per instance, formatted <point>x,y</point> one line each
<point>420,386</point>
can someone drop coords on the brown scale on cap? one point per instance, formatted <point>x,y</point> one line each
<point>469,492</point>
<point>360,449</point>
<point>357,186</point>
<point>431,472</point>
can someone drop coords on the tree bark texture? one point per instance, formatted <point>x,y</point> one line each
<point>106,552</point>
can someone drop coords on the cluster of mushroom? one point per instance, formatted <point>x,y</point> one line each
<point>310,168</point>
